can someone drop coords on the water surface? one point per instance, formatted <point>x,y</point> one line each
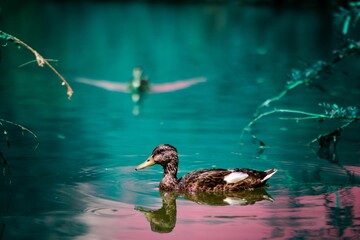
<point>80,182</point>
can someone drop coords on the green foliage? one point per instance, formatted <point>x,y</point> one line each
<point>8,38</point>
<point>307,75</point>
<point>348,17</point>
<point>334,111</point>
<point>351,47</point>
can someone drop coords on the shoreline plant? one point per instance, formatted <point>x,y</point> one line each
<point>309,77</point>
<point>41,62</point>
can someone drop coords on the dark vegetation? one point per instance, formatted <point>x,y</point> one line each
<point>41,61</point>
<point>347,18</point>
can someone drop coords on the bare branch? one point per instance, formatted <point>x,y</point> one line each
<point>332,133</point>
<point>40,60</point>
<point>307,115</point>
<point>29,62</point>
<point>309,75</point>
<point>23,129</point>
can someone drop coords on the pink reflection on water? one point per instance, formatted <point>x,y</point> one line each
<point>333,215</point>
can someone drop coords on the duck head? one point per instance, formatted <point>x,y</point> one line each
<point>137,73</point>
<point>164,155</point>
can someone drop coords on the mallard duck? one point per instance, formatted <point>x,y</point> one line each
<point>205,180</point>
<point>139,86</point>
<point>141,83</point>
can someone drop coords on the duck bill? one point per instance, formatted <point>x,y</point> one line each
<point>149,162</point>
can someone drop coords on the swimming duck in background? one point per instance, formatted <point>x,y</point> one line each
<point>206,180</point>
<point>139,85</point>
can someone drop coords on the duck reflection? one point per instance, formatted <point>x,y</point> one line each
<point>245,197</point>
<point>139,86</point>
<point>163,220</point>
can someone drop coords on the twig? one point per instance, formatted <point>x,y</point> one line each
<point>268,101</point>
<point>40,60</point>
<point>23,129</point>
<point>6,167</point>
<point>264,114</point>
<point>29,62</point>
<point>313,73</point>
<point>307,114</point>
<point>332,133</point>
<point>2,229</point>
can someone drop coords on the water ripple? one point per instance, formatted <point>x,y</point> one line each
<point>107,212</point>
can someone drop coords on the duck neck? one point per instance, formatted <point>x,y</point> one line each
<point>169,181</point>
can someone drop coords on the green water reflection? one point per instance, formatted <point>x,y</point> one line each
<point>80,183</point>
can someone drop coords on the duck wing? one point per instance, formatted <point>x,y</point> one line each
<point>223,180</point>
<point>177,85</point>
<point>205,180</point>
<point>108,85</point>
<point>155,88</point>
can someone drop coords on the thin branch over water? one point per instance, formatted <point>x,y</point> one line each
<point>41,61</point>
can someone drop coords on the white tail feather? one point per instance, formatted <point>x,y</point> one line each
<point>269,175</point>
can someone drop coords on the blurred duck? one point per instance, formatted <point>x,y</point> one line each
<point>140,85</point>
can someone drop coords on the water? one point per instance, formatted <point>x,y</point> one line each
<point>80,182</point>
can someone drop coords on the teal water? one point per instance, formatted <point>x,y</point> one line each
<point>80,182</point>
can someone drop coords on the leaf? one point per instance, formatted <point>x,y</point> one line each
<point>346,25</point>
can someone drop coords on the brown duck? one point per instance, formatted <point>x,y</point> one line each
<point>205,180</point>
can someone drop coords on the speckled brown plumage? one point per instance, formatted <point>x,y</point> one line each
<point>205,180</point>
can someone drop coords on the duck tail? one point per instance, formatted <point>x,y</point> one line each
<point>269,174</point>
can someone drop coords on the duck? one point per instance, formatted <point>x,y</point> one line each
<point>138,85</point>
<point>205,180</point>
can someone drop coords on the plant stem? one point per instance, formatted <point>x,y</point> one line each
<point>22,128</point>
<point>40,60</point>
<point>339,56</point>
<point>329,133</point>
<point>307,114</point>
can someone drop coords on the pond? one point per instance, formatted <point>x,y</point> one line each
<point>81,183</point>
